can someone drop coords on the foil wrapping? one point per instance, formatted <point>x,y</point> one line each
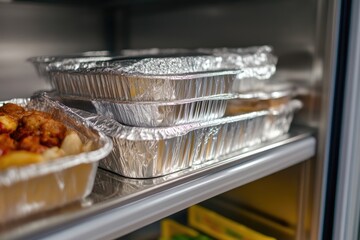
<point>256,62</point>
<point>151,152</point>
<point>38,187</point>
<point>164,78</point>
<point>241,57</point>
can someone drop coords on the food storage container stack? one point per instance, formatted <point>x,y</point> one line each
<point>166,112</point>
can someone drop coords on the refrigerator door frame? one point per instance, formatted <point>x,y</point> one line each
<point>347,203</point>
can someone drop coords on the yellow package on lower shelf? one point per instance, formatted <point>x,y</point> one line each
<point>220,227</point>
<point>171,229</point>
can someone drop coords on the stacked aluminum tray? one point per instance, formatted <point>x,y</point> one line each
<point>165,113</point>
<point>162,90</point>
<point>162,114</point>
<point>151,152</point>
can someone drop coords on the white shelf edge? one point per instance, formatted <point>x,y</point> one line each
<point>125,219</point>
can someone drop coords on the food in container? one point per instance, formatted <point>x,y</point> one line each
<point>150,152</point>
<point>270,97</point>
<point>163,78</point>
<point>29,136</point>
<point>33,180</point>
<point>240,106</point>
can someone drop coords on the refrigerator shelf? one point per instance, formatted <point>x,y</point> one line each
<point>120,205</point>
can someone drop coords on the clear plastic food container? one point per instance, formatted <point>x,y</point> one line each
<point>46,185</point>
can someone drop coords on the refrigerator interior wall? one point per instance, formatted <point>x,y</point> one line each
<point>33,29</point>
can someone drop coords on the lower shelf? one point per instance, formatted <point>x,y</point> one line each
<point>120,205</point>
<point>240,214</point>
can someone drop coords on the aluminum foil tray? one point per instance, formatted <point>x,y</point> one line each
<point>240,57</point>
<point>152,152</point>
<point>160,78</point>
<point>38,187</point>
<point>132,88</point>
<point>155,114</point>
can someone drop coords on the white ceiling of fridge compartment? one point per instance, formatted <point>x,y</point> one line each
<point>30,30</point>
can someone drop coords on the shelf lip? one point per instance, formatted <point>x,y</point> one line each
<point>118,217</point>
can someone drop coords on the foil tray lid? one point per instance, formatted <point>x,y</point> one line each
<point>259,60</point>
<point>239,56</point>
